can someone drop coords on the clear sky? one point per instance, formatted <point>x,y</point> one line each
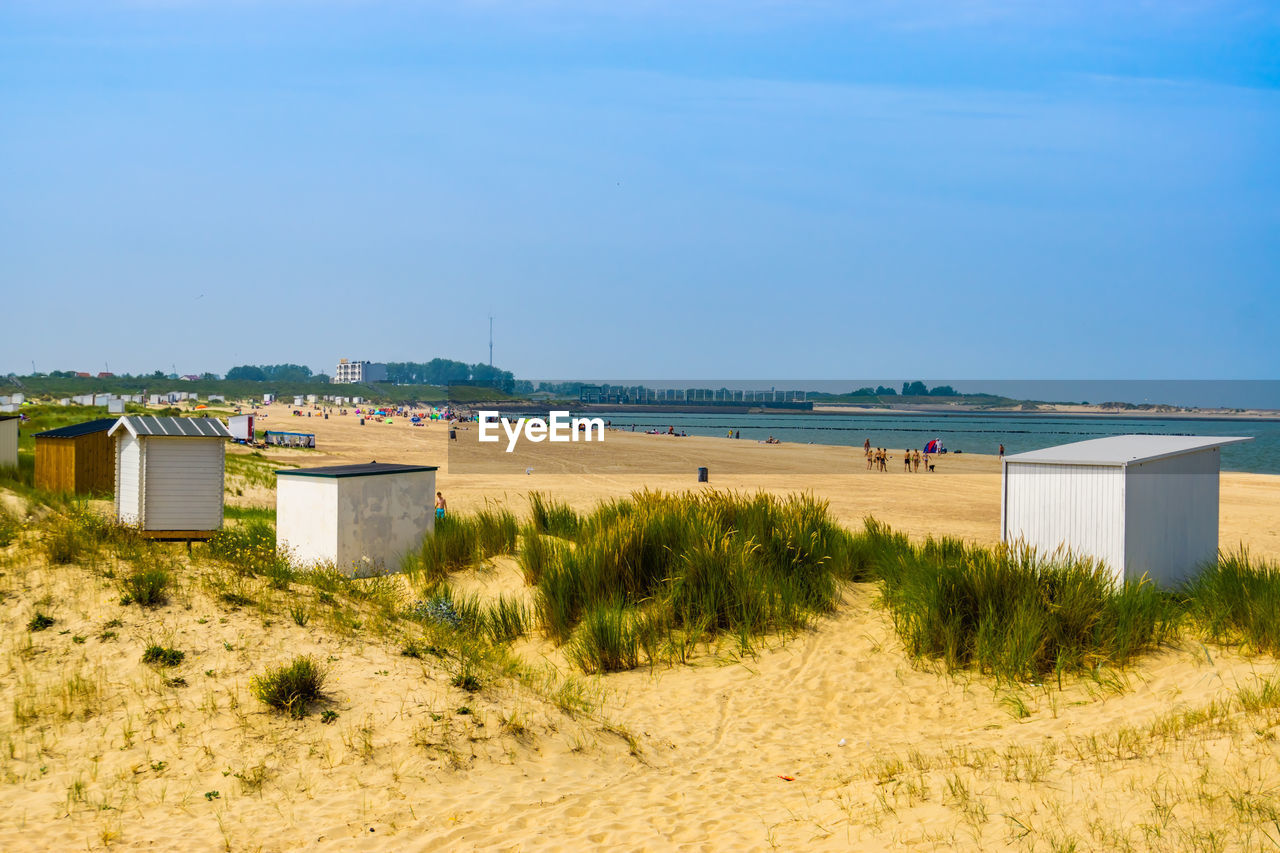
<point>644,189</point>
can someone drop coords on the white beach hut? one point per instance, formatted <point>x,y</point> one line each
<point>169,474</point>
<point>359,517</point>
<point>1141,504</point>
<point>241,427</point>
<point>9,441</point>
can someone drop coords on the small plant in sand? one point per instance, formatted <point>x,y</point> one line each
<point>64,541</point>
<point>300,614</point>
<point>10,527</point>
<point>40,621</point>
<point>158,655</point>
<point>291,688</point>
<point>146,584</point>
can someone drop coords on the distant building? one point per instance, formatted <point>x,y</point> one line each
<point>80,374</point>
<point>348,372</point>
<point>190,377</point>
<point>106,375</point>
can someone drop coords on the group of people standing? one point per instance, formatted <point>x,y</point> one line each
<point>878,459</point>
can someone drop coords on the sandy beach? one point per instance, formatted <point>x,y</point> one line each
<point>960,498</point>
<point>829,739</point>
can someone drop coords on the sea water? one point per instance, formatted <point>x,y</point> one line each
<point>966,433</point>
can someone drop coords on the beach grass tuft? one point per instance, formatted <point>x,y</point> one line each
<point>1237,601</point>
<point>146,583</point>
<point>1011,613</point>
<point>291,688</point>
<point>552,517</point>
<point>650,571</point>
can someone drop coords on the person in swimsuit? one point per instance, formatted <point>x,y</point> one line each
<point>441,504</point>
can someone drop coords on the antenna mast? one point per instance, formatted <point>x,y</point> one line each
<point>491,340</point>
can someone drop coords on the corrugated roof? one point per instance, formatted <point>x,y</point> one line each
<point>9,417</point>
<point>369,469</point>
<point>173,427</point>
<point>77,430</point>
<point>1123,449</point>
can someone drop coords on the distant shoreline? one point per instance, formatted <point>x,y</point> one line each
<point>1073,412</point>
<point>1251,415</point>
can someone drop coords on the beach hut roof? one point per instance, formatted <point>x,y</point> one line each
<point>77,430</point>
<point>175,427</point>
<point>1122,450</point>
<point>365,470</point>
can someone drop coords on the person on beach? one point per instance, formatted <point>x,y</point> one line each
<point>867,452</point>
<point>866,447</point>
<point>1002,451</point>
<point>441,504</point>
<point>906,460</point>
<point>915,461</point>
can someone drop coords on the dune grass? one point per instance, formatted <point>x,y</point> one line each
<point>1011,613</point>
<point>10,526</point>
<point>461,541</point>
<point>1236,601</point>
<point>291,688</point>
<point>669,566</point>
<point>552,517</point>
<point>146,583</point>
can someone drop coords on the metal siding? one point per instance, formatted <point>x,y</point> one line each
<point>1172,511</point>
<point>184,484</point>
<point>1067,508</point>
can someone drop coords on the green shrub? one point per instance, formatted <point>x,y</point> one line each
<point>40,622</point>
<point>158,655</point>
<point>249,547</point>
<point>146,585</point>
<point>292,688</point>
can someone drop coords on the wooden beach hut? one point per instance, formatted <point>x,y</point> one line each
<point>9,441</point>
<point>360,518</point>
<point>170,474</point>
<point>79,458</point>
<point>1140,504</point>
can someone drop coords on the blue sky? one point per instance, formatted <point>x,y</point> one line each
<point>637,189</point>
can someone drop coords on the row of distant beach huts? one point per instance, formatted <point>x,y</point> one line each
<point>1140,504</point>
<point>168,477</point>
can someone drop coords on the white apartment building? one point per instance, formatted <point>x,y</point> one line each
<point>348,372</point>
